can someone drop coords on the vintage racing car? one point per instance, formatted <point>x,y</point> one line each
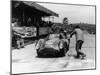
<point>52,46</point>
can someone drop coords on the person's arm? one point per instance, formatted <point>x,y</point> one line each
<point>72,33</point>
<point>61,36</point>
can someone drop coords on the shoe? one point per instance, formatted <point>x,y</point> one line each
<point>18,48</point>
<point>77,57</point>
<point>22,47</point>
<point>84,55</point>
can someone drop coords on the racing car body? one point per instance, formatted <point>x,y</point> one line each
<point>52,47</point>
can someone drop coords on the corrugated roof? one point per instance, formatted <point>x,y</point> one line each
<point>39,7</point>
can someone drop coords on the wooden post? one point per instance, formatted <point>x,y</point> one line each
<point>53,19</point>
<point>37,27</point>
<point>49,18</point>
<point>37,31</point>
<point>23,16</point>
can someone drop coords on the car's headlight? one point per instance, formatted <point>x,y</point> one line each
<point>61,45</point>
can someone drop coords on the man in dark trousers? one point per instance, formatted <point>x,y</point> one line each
<point>79,41</point>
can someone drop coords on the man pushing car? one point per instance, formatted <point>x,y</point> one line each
<point>79,35</point>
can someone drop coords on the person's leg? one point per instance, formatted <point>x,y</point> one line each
<point>68,43</point>
<point>80,46</point>
<point>22,43</point>
<point>64,45</point>
<point>77,49</point>
<point>18,44</point>
<point>80,52</point>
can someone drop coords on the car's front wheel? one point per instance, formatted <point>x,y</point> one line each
<point>63,47</point>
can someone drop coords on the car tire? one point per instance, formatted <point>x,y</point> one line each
<point>38,53</point>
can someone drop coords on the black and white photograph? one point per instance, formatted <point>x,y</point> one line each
<point>52,37</point>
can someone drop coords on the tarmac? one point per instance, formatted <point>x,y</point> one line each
<point>25,60</point>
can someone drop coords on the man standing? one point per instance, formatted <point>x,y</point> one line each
<point>79,41</point>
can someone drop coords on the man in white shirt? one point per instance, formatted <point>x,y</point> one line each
<point>79,41</point>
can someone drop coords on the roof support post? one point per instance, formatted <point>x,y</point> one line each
<point>53,19</point>
<point>49,18</point>
<point>23,16</point>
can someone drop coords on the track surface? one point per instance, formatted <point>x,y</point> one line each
<point>25,61</point>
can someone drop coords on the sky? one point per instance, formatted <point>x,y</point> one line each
<point>74,13</point>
